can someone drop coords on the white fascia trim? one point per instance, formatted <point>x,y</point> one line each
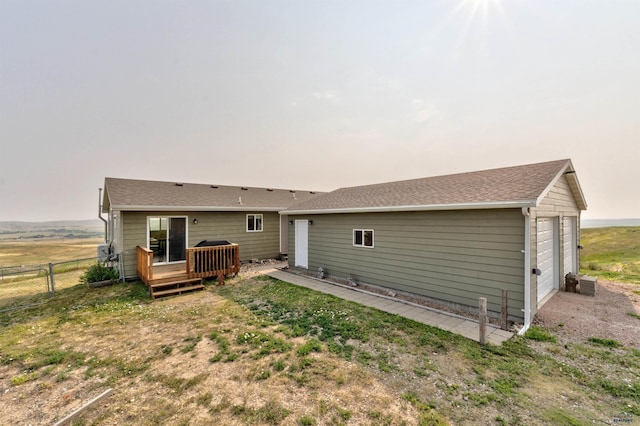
<point>575,180</point>
<point>553,182</point>
<point>527,271</point>
<point>196,209</point>
<point>430,207</point>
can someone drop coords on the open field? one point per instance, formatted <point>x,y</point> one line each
<point>24,267</point>
<point>261,351</point>
<point>612,253</point>
<point>32,252</point>
<point>55,230</point>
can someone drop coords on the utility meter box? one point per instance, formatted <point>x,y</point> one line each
<point>103,252</point>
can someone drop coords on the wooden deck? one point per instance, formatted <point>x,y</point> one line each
<point>187,276</point>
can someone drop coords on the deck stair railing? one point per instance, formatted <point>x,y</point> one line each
<point>144,264</point>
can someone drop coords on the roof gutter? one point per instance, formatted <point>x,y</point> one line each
<point>196,208</point>
<point>428,207</point>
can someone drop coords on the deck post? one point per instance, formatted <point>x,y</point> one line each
<point>483,320</point>
<point>53,280</point>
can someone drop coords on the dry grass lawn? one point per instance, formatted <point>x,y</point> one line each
<point>260,351</point>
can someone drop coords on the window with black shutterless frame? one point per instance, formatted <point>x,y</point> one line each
<point>363,238</point>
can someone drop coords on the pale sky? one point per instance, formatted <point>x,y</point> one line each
<point>313,95</point>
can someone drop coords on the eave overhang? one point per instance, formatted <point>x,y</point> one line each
<point>569,172</point>
<point>195,208</point>
<point>430,207</point>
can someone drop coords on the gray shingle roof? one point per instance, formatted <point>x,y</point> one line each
<point>509,186</point>
<point>131,194</point>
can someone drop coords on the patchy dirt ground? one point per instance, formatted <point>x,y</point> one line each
<point>575,317</point>
<point>158,378</point>
<point>143,352</point>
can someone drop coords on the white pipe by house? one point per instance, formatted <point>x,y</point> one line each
<point>527,270</point>
<point>100,214</point>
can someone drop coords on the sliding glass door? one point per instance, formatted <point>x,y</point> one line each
<point>167,238</point>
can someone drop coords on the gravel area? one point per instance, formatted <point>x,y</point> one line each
<point>607,315</point>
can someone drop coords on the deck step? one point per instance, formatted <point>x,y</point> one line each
<point>179,290</point>
<point>175,287</point>
<point>174,282</point>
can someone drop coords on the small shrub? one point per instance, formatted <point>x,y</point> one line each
<point>99,272</point>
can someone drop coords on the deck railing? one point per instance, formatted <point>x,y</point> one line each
<point>201,262</point>
<point>144,264</point>
<point>205,262</point>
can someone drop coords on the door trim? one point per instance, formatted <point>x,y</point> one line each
<point>302,244</point>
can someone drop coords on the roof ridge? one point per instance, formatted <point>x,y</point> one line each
<point>448,175</point>
<point>183,183</point>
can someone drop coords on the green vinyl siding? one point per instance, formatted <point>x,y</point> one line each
<point>231,226</point>
<point>453,256</point>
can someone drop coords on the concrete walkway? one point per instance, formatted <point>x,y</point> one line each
<point>443,320</point>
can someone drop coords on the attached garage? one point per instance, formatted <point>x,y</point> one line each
<point>449,238</point>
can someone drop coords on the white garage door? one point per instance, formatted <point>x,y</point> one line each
<point>569,245</point>
<point>546,257</point>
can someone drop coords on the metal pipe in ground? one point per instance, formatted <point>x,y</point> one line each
<point>505,310</point>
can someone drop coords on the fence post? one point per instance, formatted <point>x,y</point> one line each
<point>53,281</point>
<point>483,320</point>
<point>505,310</point>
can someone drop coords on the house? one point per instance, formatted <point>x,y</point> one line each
<point>450,239</point>
<point>168,217</point>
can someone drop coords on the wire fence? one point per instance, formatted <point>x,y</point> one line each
<point>23,286</point>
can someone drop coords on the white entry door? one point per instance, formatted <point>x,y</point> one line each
<point>302,243</point>
<point>570,245</point>
<point>547,257</point>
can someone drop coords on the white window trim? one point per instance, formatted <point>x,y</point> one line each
<point>353,236</point>
<point>255,215</point>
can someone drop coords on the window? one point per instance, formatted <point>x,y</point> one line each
<point>363,237</point>
<point>254,223</point>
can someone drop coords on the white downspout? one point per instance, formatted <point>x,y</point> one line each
<point>100,214</point>
<point>527,271</point>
